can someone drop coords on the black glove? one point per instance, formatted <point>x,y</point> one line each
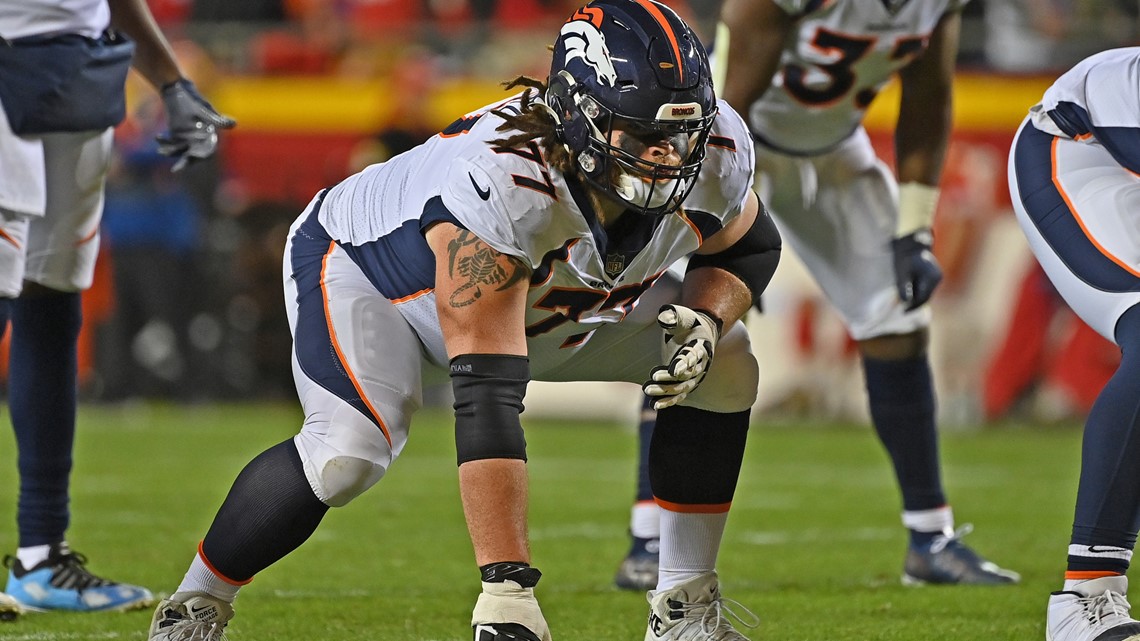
<point>916,271</point>
<point>193,124</point>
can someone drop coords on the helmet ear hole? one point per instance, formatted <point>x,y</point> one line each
<point>561,96</point>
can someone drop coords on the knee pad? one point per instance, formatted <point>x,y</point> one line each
<point>343,457</point>
<point>344,478</point>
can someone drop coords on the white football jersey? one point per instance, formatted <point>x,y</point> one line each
<point>843,54</point>
<point>22,18</point>
<point>1097,101</point>
<point>511,199</point>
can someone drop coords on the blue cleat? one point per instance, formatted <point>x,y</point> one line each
<point>949,561</point>
<point>61,582</point>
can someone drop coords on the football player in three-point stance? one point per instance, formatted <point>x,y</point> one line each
<point>1073,181</point>
<point>526,241</point>
<point>803,72</point>
<point>51,199</point>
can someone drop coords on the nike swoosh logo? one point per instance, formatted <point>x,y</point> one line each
<point>485,194</point>
<point>1104,550</point>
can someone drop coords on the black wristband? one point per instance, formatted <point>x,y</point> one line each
<point>518,572</point>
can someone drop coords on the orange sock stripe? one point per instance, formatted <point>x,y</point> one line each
<point>1084,575</point>
<point>202,555</point>
<point>694,508</point>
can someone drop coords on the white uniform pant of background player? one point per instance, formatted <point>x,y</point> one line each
<point>343,451</point>
<point>838,211</point>
<point>1105,198</point>
<point>51,200</point>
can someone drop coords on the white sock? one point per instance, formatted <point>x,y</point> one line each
<point>200,578</point>
<point>940,519</point>
<point>702,534</point>
<point>30,557</point>
<point>645,520</point>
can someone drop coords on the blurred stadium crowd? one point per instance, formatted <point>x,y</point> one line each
<point>187,300</point>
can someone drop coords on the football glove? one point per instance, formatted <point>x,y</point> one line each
<point>503,608</point>
<point>690,338</point>
<point>916,271</point>
<point>192,122</point>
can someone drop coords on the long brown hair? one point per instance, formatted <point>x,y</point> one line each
<point>535,122</point>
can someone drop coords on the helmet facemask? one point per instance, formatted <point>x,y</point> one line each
<point>616,163</point>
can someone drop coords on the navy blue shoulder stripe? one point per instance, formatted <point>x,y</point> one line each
<point>436,212</point>
<point>705,222</point>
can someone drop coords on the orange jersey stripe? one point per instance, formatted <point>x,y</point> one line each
<point>7,237</point>
<point>340,354</point>
<point>88,237</point>
<point>693,226</point>
<point>404,299</point>
<point>693,508</point>
<point>1076,215</point>
<point>661,20</point>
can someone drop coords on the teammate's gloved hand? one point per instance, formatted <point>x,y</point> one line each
<point>690,338</point>
<point>916,271</point>
<point>193,124</point>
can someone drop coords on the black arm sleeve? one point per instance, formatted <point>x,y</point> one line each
<point>752,259</point>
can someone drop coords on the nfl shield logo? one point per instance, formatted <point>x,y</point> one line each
<point>615,263</point>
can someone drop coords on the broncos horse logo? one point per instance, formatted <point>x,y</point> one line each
<point>584,40</point>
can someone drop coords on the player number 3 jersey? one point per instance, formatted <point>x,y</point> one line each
<point>843,54</point>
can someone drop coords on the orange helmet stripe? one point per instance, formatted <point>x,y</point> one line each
<point>661,20</point>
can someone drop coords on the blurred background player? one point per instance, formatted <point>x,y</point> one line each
<point>803,73</point>
<point>1073,181</point>
<point>526,240</point>
<point>55,156</point>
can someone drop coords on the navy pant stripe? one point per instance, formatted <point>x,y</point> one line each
<point>313,342</point>
<point>1057,224</point>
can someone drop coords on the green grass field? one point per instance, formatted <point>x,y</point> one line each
<point>813,546</point>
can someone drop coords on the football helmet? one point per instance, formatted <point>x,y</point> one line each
<point>632,65</point>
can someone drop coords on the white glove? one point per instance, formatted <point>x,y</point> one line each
<point>508,602</point>
<point>690,338</point>
<point>193,124</point>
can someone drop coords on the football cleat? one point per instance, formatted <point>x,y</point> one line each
<point>1096,610</point>
<point>190,616</point>
<point>62,582</point>
<point>949,561</point>
<point>9,608</point>
<point>695,611</point>
<point>638,570</point>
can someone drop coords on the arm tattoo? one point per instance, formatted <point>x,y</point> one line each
<point>476,264</point>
